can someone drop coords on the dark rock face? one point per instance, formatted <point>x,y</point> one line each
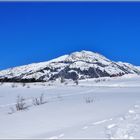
<point>66,73</point>
<point>18,80</point>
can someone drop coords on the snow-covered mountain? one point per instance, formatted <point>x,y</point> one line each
<point>138,67</point>
<point>76,66</point>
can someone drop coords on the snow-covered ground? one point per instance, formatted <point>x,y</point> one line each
<point>96,108</point>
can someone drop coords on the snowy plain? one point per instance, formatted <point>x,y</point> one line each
<point>113,110</point>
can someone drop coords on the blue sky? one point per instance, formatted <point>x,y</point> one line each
<point>33,32</point>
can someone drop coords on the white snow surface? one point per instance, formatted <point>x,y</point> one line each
<point>114,110</point>
<point>138,67</point>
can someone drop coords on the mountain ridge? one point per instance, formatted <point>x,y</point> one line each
<point>75,66</point>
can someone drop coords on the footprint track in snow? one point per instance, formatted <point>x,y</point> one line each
<point>61,135</point>
<point>111,126</point>
<point>57,137</point>
<point>126,126</point>
<point>85,127</point>
<point>99,122</point>
<point>52,138</point>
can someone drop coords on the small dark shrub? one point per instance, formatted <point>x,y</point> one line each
<point>89,100</point>
<point>39,101</point>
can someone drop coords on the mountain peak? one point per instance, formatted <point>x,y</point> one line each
<point>87,56</point>
<point>84,53</point>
